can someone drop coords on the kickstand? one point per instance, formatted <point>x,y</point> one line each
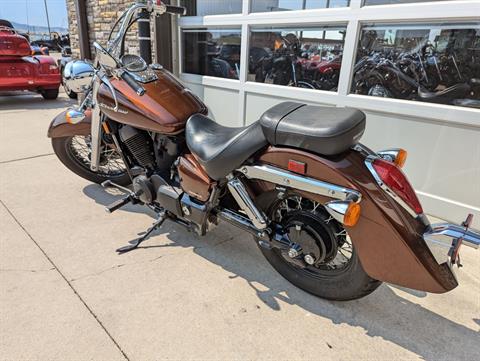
<point>162,216</point>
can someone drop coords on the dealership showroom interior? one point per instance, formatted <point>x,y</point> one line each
<point>239,180</point>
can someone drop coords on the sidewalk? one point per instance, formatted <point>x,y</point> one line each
<point>66,295</point>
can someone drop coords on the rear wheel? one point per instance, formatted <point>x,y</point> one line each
<point>50,94</point>
<point>74,152</point>
<point>322,259</point>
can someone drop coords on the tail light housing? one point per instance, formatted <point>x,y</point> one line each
<point>391,178</point>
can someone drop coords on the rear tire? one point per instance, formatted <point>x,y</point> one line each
<point>348,283</point>
<point>63,150</point>
<point>50,94</point>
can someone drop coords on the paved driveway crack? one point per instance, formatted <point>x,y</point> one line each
<point>26,158</point>
<point>67,281</point>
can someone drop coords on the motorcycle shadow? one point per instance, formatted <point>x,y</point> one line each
<point>32,101</point>
<point>383,314</point>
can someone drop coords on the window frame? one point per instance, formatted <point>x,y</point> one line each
<point>355,16</point>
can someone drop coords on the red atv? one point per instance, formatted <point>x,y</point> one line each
<point>19,70</point>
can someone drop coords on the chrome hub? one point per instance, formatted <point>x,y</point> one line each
<point>309,259</point>
<point>295,251</point>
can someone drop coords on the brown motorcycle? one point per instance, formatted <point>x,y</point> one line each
<point>330,215</point>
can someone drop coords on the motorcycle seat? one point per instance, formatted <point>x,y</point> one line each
<point>322,130</point>
<point>450,93</point>
<point>220,149</point>
<point>319,129</point>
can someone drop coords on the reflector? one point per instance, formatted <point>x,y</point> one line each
<point>297,167</point>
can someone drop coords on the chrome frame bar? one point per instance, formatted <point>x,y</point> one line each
<point>238,191</point>
<point>297,181</point>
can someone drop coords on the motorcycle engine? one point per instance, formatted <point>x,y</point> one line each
<point>139,144</point>
<point>156,154</point>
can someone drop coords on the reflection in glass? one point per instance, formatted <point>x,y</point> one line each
<point>384,2</point>
<point>302,57</point>
<point>431,63</point>
<point>212,7</point>
<point>283,5</point>
<point>213,52</point>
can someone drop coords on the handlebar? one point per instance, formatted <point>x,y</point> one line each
<point>132,83</point>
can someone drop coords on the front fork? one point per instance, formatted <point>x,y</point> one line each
<point>96,131</point>
<point>96,125</point>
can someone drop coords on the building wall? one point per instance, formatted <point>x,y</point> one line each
<point>101,16</point>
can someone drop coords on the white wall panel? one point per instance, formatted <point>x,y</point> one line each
<point>257,104</point>
<point>222,105</point>
<point>443,163</point>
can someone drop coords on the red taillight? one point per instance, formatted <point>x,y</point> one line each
<point>395,179</point>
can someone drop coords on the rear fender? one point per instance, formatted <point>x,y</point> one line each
<point>388,240</point>
<point>60,127</point>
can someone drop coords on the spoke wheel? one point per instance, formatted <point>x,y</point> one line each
<point>321,258</point>
<point>111,164</point>
<point>75,153</point>
<point>316,233</point>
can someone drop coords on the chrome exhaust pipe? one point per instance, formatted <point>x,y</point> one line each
<point>447,232</point>
<point>443,240</point>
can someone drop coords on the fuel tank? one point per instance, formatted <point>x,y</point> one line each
<point>164,108</point>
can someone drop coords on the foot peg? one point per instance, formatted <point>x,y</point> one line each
<point>130,198</point>
<point>162,216</point>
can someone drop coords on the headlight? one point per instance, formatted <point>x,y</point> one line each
<point>77,76</point>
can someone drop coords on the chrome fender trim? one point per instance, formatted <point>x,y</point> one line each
<point>296,181</point>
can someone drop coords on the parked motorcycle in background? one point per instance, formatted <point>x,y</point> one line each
<point>423,73</point>
<point>330,215</point>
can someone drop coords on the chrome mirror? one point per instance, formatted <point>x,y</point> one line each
<point>78,75</point>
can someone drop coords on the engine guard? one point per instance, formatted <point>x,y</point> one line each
<point>61,126</point>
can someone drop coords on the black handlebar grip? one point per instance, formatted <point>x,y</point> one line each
<point>180,10</point>
<point>130,80</point>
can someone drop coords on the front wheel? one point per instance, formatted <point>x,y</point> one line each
<point>324,261</point>
<point>74,153</point>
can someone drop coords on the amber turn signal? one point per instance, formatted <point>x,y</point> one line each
<point>401,158</point>
<point>352,215</point>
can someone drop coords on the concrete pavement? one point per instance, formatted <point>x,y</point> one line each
<point>66,295</point>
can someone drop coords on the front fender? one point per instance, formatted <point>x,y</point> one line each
<point>60,127</point>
